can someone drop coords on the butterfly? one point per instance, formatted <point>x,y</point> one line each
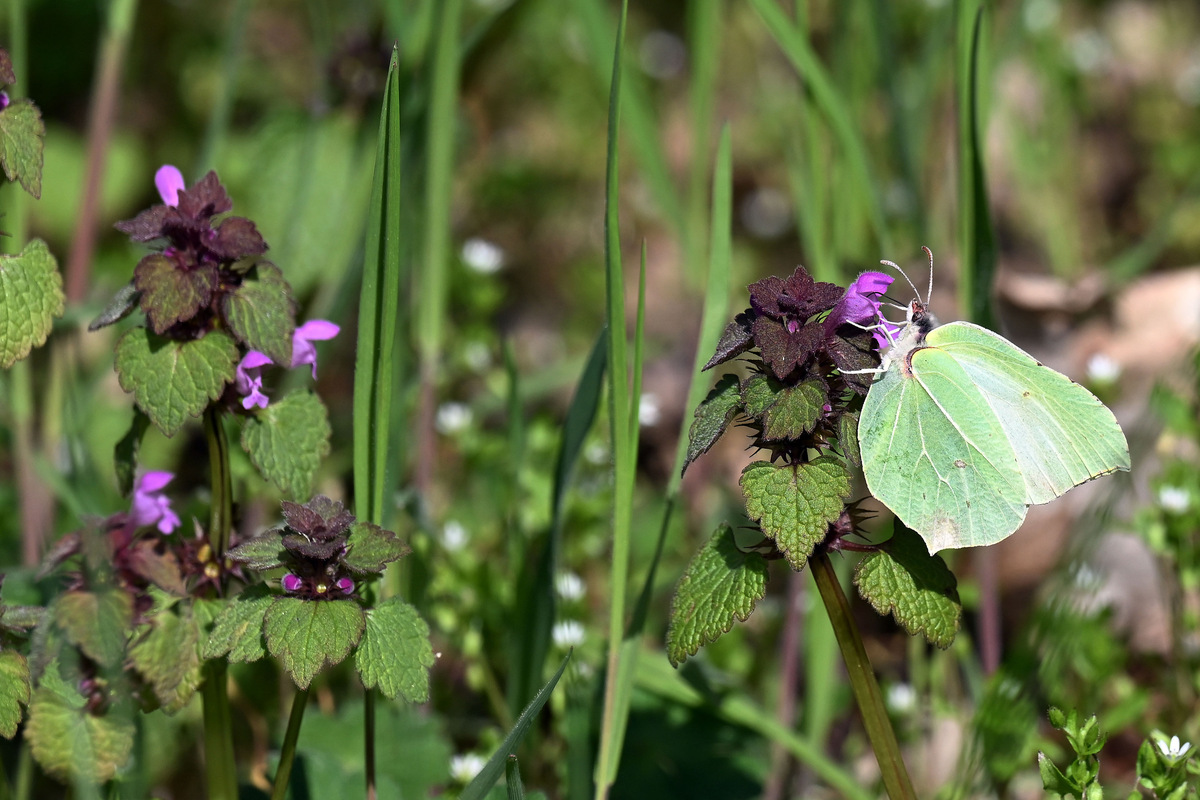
<point>962,431</point>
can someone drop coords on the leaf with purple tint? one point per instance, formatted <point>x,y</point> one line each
<point>737,339</point>
<point>146,226</point>
<point>237,238</point>
<point>321,551</point>
<point>206,198</point>
<point>784,351</point>
<point>170,292</point>
<point>797,298</point>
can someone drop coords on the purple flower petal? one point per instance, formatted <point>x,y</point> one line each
<point>248,381</point>
<point>3,100</point>
<point>860,305</point>
<point>169,181</point>
<point>315,330</point>
<point>291,582</point>
<point>346,585</point>
<point>150,506</point>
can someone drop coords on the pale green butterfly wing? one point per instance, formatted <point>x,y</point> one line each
<point>1061,433</point>
<point>948,473</point>
<point>960,435</point>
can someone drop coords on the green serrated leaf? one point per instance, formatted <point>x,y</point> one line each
<point>265,551</point>
<point>848,438</point>
<point>795,504</point>
<point>239,627</point>
<point>308,635</point>
<point>759,393</point>
<point>166,654</point>
<point>796,411</point>
<point>31,296</point>
<point>395,654</point>
<point>261,314</point>
<point>67,741</point>
<point>370,547</point>
<point>917,589</point>
<point>15,691</point>
<point>171,294</point>
<point>96,622</point>
<point>720,585</point>
<point>20,618</point>
<point>287,440</point>
<point>21,141</point>
<point>713,416</point>
<point>173,380</point>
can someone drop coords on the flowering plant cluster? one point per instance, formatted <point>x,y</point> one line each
<point>810,349</point>
<point>217,315</point>
<point>144,611</point>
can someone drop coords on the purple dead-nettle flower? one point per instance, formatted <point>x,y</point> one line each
<point>3,100</point>
<point>345,585</point>
<point>291,583</point>
<point>303,350</point>
<point>169,182</point>
<point>860,305</point>
<point>151,506</point>
<point>248,379</point>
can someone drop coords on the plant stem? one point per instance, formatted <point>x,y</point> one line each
<point>218,734</point>
<point>288,754</point>
<point>220,520</point>
<point>862,680</point>
<point>218,744</point>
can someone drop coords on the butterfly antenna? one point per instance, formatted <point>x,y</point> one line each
<point>896,267</point>
<point>929,253</point>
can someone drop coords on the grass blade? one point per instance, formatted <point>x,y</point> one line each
<point>798,50</point>
<point>616,708</point>
<point>715,311</point>
<point>478,788</point>
<point>977,240</point>
<point>640,122</point>
<point>377,313</point>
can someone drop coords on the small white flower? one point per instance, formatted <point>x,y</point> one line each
<point>596,453</point>
<point>1174,749</point>
<point>567,633</point>
<point>649,412</point>
<point>465,766</point>
<point>1089,50</point>
<point>1102,369</point>
<point>482,256</point>
<point>454,535</point>
<point>478,356</point>
<point>1040,15</point>
<point>1174,499</point>
<point>452,418</point>
<point>569,586</point>
<point>901,698</point>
